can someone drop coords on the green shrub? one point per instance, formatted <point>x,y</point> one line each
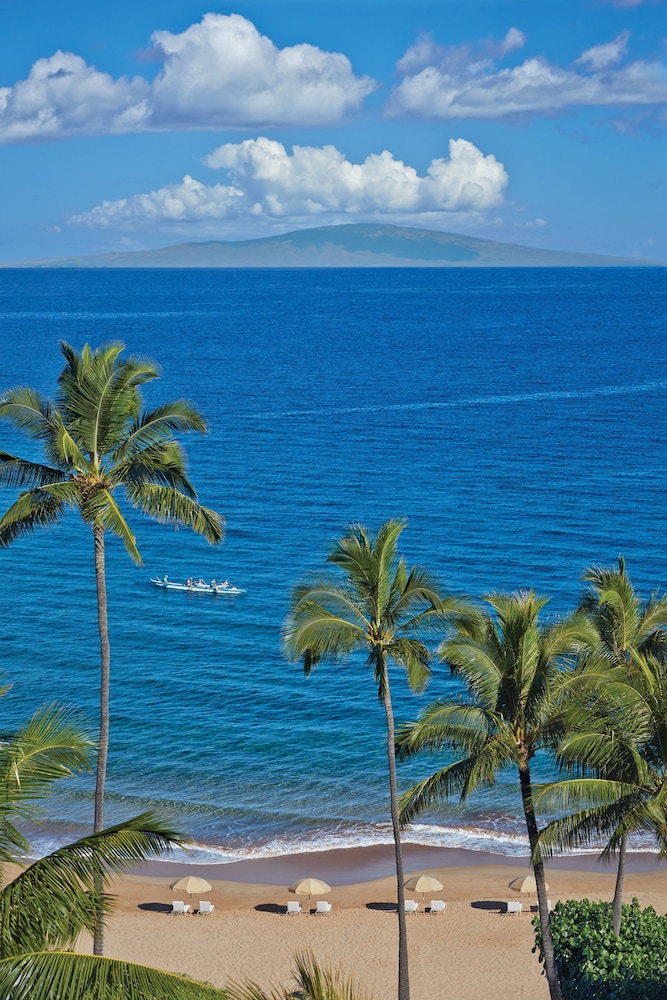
<point>595,965</point>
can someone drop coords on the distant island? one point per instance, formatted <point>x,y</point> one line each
<point>355,245</point>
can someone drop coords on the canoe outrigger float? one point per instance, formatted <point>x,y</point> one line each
<point>199,587</point>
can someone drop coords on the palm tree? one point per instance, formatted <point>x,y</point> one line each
<point>626,625</point>
<point>57,897</point>
<point>97,442</point>
<point>616,746</point>
<point>377,606</point>
<point>514,668</point>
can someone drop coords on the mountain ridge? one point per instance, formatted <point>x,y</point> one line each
<point>347,245</point>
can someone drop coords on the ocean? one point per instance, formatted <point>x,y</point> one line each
<point>514,417</point>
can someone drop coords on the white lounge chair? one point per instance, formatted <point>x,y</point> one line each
<point>178,906</point>
<point>513,906</point>
<point>293,907</point>
<point>438,906</point>
<point>205,906</point>
<point>411,905</point>
<point>323,907</point>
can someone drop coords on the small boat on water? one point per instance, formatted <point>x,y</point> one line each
<point>198,587</point>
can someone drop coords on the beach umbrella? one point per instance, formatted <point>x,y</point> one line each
<point>423,884</point>
<point>308,887</point>
<point>526,883</point>
<point>191,884</point>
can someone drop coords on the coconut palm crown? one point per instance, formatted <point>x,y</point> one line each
<point>374,605</point>
<point>99,445</point>
<point>514,668</point>
<point>615,749</point>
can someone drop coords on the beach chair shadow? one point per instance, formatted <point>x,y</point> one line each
<point>271,908</point>
<point>489,904</point>
<point>155,907</point>
<point>387,907</point>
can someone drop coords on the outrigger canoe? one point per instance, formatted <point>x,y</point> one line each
<point>197,588</point>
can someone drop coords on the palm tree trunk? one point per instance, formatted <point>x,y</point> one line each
<point>403,975</point>
<point>618,892</point>
<point>538,870</point>
<point>105,667</point>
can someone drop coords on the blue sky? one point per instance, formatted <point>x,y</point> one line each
<point>139,124</point>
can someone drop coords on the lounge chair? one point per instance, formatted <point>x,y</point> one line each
<point>513,906</point>
<point>293,907</point>
<point>323,907</point>
<point>438,906</point>
<point>205,906</point>
<point>411,905</point>
<point>178,906</point>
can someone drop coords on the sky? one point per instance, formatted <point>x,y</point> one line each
<point>138,124</point>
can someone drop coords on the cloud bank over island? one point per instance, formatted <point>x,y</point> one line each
<point>461,81</point>
<point>266,182</point>
<point>219,73</point>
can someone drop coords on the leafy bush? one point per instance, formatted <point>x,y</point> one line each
<point>593,964</point>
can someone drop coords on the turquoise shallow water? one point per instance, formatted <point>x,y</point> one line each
<point>514,417</point>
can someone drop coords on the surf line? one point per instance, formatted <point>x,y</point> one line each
<point>524,397</point>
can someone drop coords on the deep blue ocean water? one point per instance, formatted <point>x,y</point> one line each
<point>516,418</point>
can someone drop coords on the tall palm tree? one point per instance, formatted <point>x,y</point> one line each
<point>626,624</point>
<point>514,668</point>
<point>98,443</point>
<point>374,605</point>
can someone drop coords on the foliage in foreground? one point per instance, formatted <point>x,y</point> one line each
<point>65,976</point>
<point>593,963</point>
<point>55,975</point>
<point>312,982</point>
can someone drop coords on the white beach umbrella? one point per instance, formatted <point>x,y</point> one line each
<point>309,887</point>
<point>191,884</point>
<point>423,884</point>
<point>526,883</point>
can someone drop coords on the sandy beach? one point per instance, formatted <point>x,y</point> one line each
<point>470,951</point>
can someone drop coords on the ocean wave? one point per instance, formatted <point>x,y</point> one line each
<point>469,837</point>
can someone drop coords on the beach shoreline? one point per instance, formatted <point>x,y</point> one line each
<point>349,866</point>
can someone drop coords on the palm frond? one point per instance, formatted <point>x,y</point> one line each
<point>28,411</point>
<point>55,743</point>
<point>170,506</point>
<point>36,509</point>
<point>313,982</point>
<point>449,725</point>
<point>156,426</point>
<point>19,473</point>
<point>57,897</point>
<point>49,975</point>
<point>317,982</point>
<point>477,663</point>
<point>317,634</point>
<point>414,657</point>
<point>162,464</point>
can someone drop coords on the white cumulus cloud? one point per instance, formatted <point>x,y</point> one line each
<point>218,73</point>
<point>266,182</point>
<point>440,83</point>
<point>64,96</point>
